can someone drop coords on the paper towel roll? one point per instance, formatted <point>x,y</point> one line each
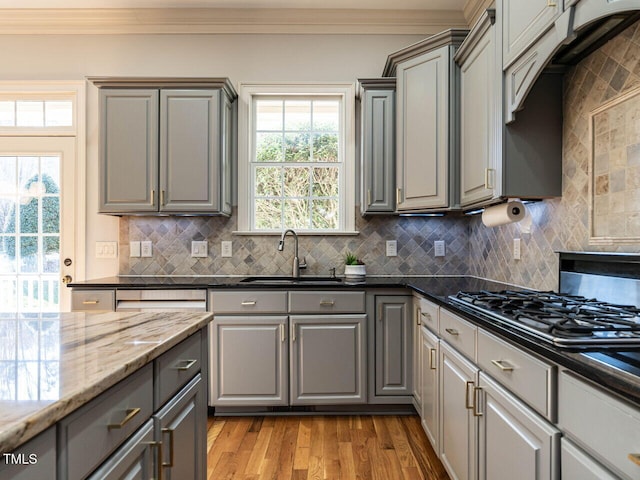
<point>502,214</point>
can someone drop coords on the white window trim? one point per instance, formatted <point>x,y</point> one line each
<point>346,92</point>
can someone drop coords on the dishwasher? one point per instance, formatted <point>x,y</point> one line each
<point>193,300</point>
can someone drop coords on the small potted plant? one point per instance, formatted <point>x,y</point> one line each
<point>354,268</point>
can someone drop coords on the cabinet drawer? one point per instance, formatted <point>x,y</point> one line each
<point>524,375</point>
<point>248,301</point>
<point>326,302</point>
<point>89,435</point>
<point>607,428</point>
<point>176,367</point>
<point>93,300</point>
<point>429,315</point>
<point>458,333</point>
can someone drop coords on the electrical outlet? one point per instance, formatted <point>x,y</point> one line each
<point>134,249</point>
<point>146,249</point>
<point>227,249</point>
<point>392,248</point>
<point>199,249</point>
<point>516,249</point>
<point>438,247</point>
<point>106,249</point>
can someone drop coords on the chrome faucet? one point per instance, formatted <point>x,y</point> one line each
<point>296,261</point>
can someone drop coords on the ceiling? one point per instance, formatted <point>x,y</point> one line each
<point>325,4</point>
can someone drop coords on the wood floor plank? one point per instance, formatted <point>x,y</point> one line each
<point>357,447</point>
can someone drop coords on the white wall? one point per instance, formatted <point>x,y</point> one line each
<point>242,58</point>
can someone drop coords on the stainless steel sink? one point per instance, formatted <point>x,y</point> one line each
<point>292,280</point>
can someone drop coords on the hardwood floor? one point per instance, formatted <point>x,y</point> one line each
<point>383,447</point>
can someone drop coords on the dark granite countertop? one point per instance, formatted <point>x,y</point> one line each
<point>437,289</point>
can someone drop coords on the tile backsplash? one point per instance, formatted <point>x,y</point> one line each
<point>558,224</point>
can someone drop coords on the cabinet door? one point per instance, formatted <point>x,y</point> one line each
<point>378,151</point>
<point>190,150</point>
<point>181,428</point>
<point>479,90</point>
<point>35,460</point>
<point>513,438</point>
<point>394,356</point>
<point>523,21</point>
<point>128,150</point>
<point>135,460</point>
<point>429,346</point>
<point>578,465</point>
<point>328,359</point>
<point>227,136</point>
<point>458,425</point>
<point>417,356</point>
<point>249,363</point>
<point>423,131</point>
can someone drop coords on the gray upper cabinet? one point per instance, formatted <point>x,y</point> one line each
<point>394,349</point>
<point>426,116</point>
<point>377,145</point>
<point>166,150</point>
<point>523,22</point>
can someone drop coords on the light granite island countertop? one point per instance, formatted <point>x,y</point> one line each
<point>53,363</point>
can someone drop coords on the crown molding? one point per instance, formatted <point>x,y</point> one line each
<point>227,21</point>
<point>474,8</point>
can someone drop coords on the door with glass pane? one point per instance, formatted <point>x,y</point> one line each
<point>37,223</point>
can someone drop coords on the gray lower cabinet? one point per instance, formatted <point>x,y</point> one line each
<point>513,438</point>
<point>393,345</point>
<point>165,150</point>
<point>417,356</point>
<point>250,360</point>
<point>137,459</point>
<point>377,145</point>
<point>430,349</point>
<point>458,424</point>
<point>36,460</point>
<point>577,465</point>
<point>180,427</point>
<point>328,359</point>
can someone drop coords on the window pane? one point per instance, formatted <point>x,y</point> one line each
<point>51,258</point>
<point>29,254</point>
<point>297,115</point>
<point>268,181</point>
<point>7,114</point>
<point>51,174</point>
<point>269,115</point>
<point>325,147</point>
<point>58,113</point>
<point>28,172</point>
<point>30,113</point>
<point>324,214</point>
<point>7,216</point>
<point>29,215</point>
<point>269,147</point>
<point>51,215</point>
<point>297,148</point>
<point>325,182</point>
<point>8,175</point>
<point>296,213</point>
<point>268,214</point>
<point>7,258</point>
<point>296,182</point>
<point>50,294</point>
<point>326,115</point>
<point>29,295</point>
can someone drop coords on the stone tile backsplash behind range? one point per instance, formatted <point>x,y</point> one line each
<point>258,255</point>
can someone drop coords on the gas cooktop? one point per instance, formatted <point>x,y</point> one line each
<point>560,319</point>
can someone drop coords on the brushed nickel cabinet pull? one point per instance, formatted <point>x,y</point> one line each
<point>158,447</point>
<point>635,458</point>
<point>90,302</point>
<point>418,315</point>
<point>398,196</point>
<point>185,365</point>
<point>452,331</point>
<point>476,402</point>
<point>327,303</point>
<point>488,185</point>
<point>551,3</point>
<point>283,334</point>
<point>170,432</point>
<point>368,197</point>
<point>380,312</point>
<point>468,403</point>
<point>503,365</point>
<point>432,362</point>
<point>248,303</point>
<point>161,198</point>
<point>153,197</point>
<point>131,412</point>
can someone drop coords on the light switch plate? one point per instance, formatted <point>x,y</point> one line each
<point>227,249</point>
<point>438,247</point>
<point>392,248</point>
<point>199,249</point>
<point>106,249</point>
<point>146,249</point>
<point>134,249</point>
<point>516,249</point>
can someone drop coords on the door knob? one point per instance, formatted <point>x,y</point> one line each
<point>67,279</point>
<point>67,262</point>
